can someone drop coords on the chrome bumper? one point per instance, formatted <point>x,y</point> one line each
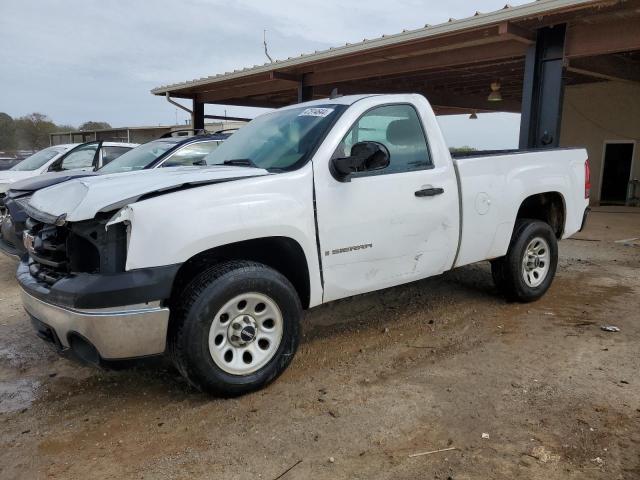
<point>116,333</point>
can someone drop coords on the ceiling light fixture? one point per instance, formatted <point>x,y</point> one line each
<point>495,95</point>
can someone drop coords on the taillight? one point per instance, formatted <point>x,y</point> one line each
<point>587,179</point>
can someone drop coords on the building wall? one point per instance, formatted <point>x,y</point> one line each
<point>599,112</point>
<point>223,125</point>
<point>133,134</point>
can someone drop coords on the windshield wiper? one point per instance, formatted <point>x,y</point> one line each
<point>241,162</point>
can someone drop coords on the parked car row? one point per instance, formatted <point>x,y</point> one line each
<point>75,156</point>
<point>35,161</point>
<point>84,160</point>
<point>8,161</point>
<point>214,260</point>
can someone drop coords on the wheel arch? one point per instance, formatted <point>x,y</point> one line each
<point>283,254</point>
<point>549,207</point>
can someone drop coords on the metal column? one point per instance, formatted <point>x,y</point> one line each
<point>542,91</point>
<point>305,92</point>
<point>197,115</point>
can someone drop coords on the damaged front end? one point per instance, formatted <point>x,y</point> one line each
<point>78,292</point>
<point>58,249</point>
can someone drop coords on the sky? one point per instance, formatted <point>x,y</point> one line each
<point>81,60</point>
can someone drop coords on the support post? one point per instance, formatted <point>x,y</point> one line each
<point>305,92</point>
<point>543,90</point>
<point>197,116</point>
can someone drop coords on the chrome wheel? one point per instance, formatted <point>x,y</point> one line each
<point>536,261</point>
<point>246,333</point>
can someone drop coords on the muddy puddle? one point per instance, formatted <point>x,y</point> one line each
<point>16,395</point>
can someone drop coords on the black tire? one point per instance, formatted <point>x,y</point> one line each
<point>508,271</point>
<point>196,308</point>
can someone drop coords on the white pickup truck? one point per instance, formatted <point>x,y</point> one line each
<point>305,205</point>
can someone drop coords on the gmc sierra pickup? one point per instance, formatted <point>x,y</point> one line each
<point>305,205</point>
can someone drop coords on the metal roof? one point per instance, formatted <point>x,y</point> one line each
<point>507,13</point>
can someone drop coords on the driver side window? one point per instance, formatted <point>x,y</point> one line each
<point>80,158</point>
<point>399,129</point>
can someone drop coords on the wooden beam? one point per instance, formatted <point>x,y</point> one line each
<point>412,48</point>
<point>514,32</point>
<point>608,67</point>
<point>445,43</point>
<point>255,102</point>
<point>472,102</point>
<point>191,91</point>
<point>240,91</point>
<point>290,77</point>
<point>439,60</point>
<point>452,77</point>
<point>613,36</point>
<point>441,98</point>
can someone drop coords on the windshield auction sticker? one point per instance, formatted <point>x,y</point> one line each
<point>316,112</point>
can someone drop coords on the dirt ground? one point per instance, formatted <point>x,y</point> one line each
<point>517,391</point>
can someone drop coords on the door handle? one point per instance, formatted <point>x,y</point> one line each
<point>430,192</point>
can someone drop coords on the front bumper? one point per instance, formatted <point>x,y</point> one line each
<point>96,291</point>
<point>114,333</point>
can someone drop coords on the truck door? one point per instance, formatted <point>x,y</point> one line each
<point>391,226</point>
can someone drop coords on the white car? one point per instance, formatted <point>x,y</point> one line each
<point>74,156</point>
<point>33,165</point>
<point>304,205</point>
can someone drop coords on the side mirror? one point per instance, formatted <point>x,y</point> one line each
<point>365,157</point>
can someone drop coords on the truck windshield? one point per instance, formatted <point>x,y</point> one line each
<point>280,140</point>
<point>138,158</point>
<point>37,160</point>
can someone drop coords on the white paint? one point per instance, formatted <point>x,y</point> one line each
<point>508,180</point>
<point>412,237</point>
<point>82,198</point>
<point>384,234</point>
<point>7,177</point>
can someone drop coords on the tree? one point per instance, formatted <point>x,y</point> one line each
<point>65,128</point>
<point>94,126</point>
<point>7,132</point>
<point>32,131</point>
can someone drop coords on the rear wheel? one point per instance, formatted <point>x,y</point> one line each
<point>527,271</point>
<point>236,328</point>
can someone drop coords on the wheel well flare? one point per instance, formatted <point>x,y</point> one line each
<point>548,207</point>
<point>280,253</point>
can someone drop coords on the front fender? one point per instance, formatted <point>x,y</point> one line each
<point>175,227</point>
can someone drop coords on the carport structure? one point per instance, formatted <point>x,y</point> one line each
<point>548,60</point>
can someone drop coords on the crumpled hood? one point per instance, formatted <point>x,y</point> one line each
<point>82,198</point>
<point>7,177</point>
<point>45,180</point>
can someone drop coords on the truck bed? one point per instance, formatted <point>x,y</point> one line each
<point>493,186</point>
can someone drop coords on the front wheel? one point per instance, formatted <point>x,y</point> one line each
<point>526,272</point>
<point>235,328</point>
